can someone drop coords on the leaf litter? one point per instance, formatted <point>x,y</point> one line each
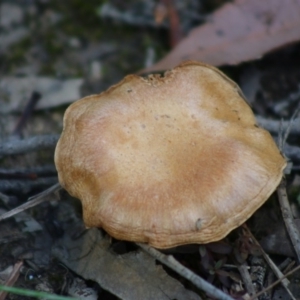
<point>222,40</point>
<point>239,31</point>
<point>90,256</point>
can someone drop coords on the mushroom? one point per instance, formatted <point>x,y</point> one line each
<point>169,160</point>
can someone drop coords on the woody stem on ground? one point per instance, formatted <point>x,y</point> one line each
<point>173,264</point>
<point>288,217</point>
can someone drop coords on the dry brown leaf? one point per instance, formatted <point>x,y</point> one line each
<point>239,31</point>
<point>134,275</point>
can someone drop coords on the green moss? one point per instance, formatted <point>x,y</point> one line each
<point>80,17</point>
<point>16,54</point>
<point>52,44</point>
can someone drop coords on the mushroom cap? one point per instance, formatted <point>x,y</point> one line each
<point>168,160</point>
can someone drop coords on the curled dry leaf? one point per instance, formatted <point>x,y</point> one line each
<point>239,31</point>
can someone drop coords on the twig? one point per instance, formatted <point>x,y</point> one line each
<point>292,152</point>
<point>27,185</point>
<point>275,283</point>
<point>28,173</point>
<point>4,197</point>
<point>35,97</point>
<point>13,277</point>
<point>172,263</point>
<point>243,269</point>
<point>288,217</point>
<point>32,201</point>
<point>282,194</point>
<point>273,125</point>
<point>285,282</point>
<point>175,32</point>
<point>287,265</point>
<point>285,102</point>
<point>29,224</point>
<point>288,130</point>
<point>17,146</point>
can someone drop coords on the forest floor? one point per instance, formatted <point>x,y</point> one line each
<point>53,53</point>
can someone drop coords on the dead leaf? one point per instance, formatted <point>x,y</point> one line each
<point>134,275</point>
<point>239,31</point>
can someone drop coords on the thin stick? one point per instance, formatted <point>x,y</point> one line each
<point>288,130</point>
<point>17,146</point>
<point>275,283</point>
<point>282,194</point>
<point>13,277</point>
<point>32,201</point>
<point>172,263</point>
<point>285,282</point>
<point>4,197</point>
<point>28,110</point>
<point>243,269</point>
<point>26,185</point>
<point>288,217</point>
<point>272,125</point>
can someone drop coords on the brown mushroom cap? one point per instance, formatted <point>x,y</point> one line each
<point>168,160</point>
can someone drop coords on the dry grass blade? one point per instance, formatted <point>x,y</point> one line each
<point>173,264</point>
<point>32,201</point>
<point>12,278</point>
